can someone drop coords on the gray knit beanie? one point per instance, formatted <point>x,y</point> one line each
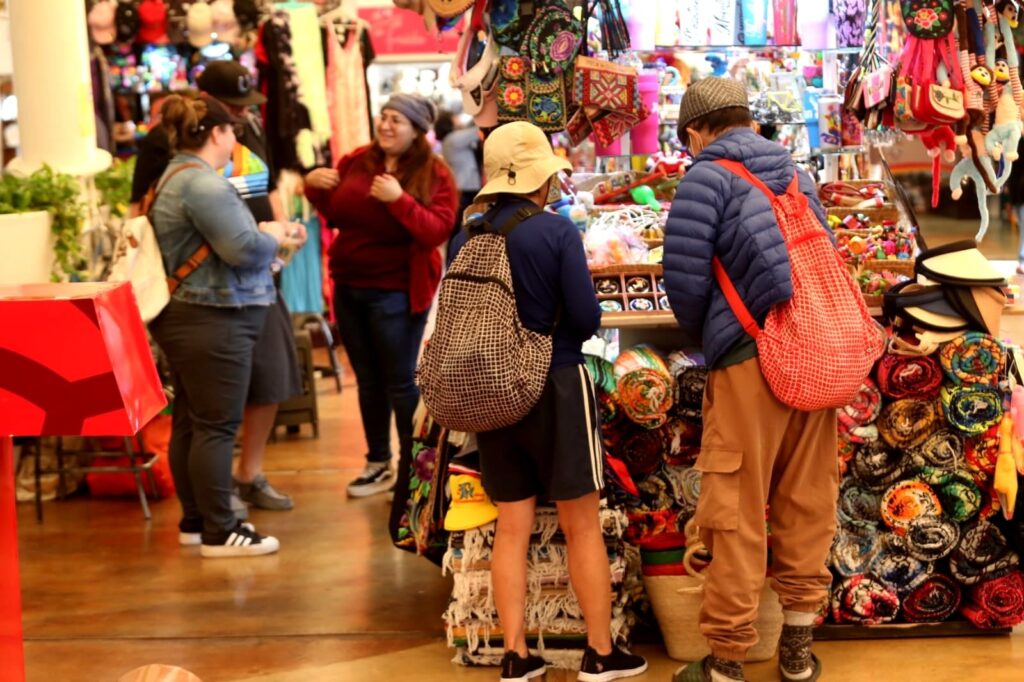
<point>418,109</point>
<point>708,96</point>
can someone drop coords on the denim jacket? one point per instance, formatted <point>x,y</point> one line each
<point>197,204</point>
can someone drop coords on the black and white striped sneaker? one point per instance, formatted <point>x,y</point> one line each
<point>190,533</point>
<point>242,541</point>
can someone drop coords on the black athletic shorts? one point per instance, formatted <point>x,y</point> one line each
<point>555,451</point>
<point>275,374</point>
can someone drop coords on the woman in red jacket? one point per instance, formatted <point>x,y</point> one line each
<point>393,204</point>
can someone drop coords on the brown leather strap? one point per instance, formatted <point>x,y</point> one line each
<point>201,254</point>
<point>188,267</point>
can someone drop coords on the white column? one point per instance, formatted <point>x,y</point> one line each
<point>52,82</point>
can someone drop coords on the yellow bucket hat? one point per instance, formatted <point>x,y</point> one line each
<point>470,508</point>
<point>518,159</point>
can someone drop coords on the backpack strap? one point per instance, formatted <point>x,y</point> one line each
<point>201,254</point>
<point>480,227</point>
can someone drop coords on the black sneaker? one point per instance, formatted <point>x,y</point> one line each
<point>617,665</point>
<point>190,532</point>
<point>514,667</point>
<point>242,541</point>
<point>376,478</point>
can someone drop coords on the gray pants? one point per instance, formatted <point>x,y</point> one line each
<point>210,352</point>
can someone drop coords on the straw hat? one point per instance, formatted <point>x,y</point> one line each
<point>518,160</point>
<point>959,263</point>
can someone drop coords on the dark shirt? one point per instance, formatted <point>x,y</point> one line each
<point>549,271</point>
<point>250,170</point>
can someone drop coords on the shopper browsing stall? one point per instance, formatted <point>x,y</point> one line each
<point>756,450</point>
<point>393,204</point>
<point>555,450</point>
<point>275,372</point>
<point>215,317</point>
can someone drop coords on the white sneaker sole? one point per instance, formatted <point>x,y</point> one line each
<point>196,539</point>
<point>528,676</point>
<point>611,675</point>
<point>268,545</point>
<point>372,489</point>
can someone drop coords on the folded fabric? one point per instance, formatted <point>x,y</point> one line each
<point>982,555</point>
<point>683,440</point>
<point>900,572</point>
<point>931,537</point>
<point>959,494</point>
<point>981,453</point>
<point>907,423</point>
<point>904,376</point>
<point>685,487</point>
<point>935,600</point>
<point>944,449</point>
<point>643,451</point>
<point>601,372</point>
<point>655,490</point>
<point>690,387</point>
<point>864,600</point>
<point>876,466</point>
<point>906,501</point>
<point>846,450</point>
<point>856,419</point>
<point>645,527</point>
<point>645,386</point>
<point>853,550</point>
<point>858,507</point>
<point>996,603</point>
<point>973,359</point>
<point>971,410</point>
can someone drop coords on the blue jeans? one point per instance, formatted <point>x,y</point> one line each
<point>382,339</point>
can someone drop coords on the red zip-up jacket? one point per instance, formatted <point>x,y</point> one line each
<point>387,246</point>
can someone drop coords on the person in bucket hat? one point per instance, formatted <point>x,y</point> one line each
<point>555,451</point>
<point>750,437</point>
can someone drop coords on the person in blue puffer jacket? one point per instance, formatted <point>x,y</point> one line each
<point>755,450</point>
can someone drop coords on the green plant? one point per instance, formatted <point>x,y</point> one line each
<point>60,195</point>
<point>115,186</point>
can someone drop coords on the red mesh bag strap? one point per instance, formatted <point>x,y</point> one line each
<point>739,308</point>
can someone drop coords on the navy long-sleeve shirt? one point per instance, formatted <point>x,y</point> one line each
<point>549,267</point>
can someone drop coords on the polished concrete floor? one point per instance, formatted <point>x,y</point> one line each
<point>106,592</point>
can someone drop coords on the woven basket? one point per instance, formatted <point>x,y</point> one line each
<point>875,215</point>
<point>677,601</point>
<point>897,267</point>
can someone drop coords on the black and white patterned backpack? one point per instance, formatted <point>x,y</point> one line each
<point>482,370</point>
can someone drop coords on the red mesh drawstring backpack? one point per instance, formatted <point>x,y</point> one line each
<point>815,349</point>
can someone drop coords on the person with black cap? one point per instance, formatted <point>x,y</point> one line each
<point>250,170</point>
<point>393,204</point>
<point>220,259</point>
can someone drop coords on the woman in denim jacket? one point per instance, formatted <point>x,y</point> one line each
<point>210,327</point>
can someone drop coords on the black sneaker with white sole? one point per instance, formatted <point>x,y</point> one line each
<point>241,542</point>
<point>190,532</point>
<point>617,665</point>
<point>514,667</point>
<point>376,478</point>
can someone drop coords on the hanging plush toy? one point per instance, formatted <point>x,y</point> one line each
<point>1006,132</point>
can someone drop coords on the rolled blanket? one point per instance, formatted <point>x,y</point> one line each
<point>683,439</point>
<point>899,571</point>
<point>864,600</point>
<point>853,550</point>
<point>642,450</point>
<point>973,359</point>
<point>645,386</point>
<point>982,555</point>
<point>905,376</point>
<point>935,600</point>
<point>907,423</point>
<point>944,449</point>
<point>906,501</point>
<point>971,410</point>
<point>656,490</point>
<point>981,453</point>
<point>858,507</point>
<point>997,603</point>
<point>930,538</point>
<point>685,487</point>
<point>876,466</point>
<point>856,419</point>
<point>846,449</point>
<point>959,494</point>
<point>601,372</point>
<point>691,374</point>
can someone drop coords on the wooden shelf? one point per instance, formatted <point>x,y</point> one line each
<point>955,628</point>
<point>625,320</point>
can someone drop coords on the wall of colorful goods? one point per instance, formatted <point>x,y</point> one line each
<point>931,514</point>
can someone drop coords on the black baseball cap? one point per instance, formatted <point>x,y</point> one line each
<point>216,114</point>
<point>231,83</point>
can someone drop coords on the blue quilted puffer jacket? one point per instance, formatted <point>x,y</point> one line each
<point>717,213</point>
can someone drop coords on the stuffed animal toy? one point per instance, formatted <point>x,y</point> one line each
<point>1006,133</point>
<point>971,169</point>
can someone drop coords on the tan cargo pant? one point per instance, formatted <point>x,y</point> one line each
<point>757,451</point>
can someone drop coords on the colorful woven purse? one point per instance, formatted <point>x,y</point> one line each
<point>511,90</point>
<point>608,97</point>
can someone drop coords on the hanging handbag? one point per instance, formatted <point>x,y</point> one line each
<point>511,91</point>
